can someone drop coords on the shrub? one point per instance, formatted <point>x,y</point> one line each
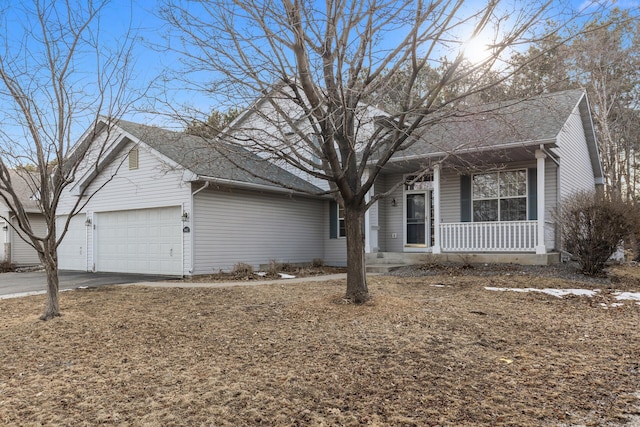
<point>6,266</point>
<point>592,227</point>
<point>243,268</point>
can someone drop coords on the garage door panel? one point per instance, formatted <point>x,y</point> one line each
<point>72,252</point>
<point>147,241</point>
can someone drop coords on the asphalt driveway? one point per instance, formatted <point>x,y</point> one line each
<point>35,282</point>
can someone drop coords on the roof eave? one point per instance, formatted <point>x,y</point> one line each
<point>520,144</point>
<point>253,186</point>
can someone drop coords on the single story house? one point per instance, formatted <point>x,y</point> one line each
<point>14,246</point>
<point>168,204</point>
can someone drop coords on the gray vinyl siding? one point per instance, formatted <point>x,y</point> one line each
<point>449,196</point>
<point>381,209</point>
<point>2,239</point>
<point>576,172</point>
<point>21,252</point>
<point>153,184</point>
<point>393,216</point>
<point>255,228</point>
<point>335,250</point>
<point>550,203</point>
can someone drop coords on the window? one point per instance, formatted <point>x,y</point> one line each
<point>413,182</point>
<point>133,159</point>
<point>337,226</point>
<point>500,196</point>
<point>342,230</point>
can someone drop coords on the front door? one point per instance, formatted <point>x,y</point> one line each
<point>418,219</point>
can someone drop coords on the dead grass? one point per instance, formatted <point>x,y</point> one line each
<point>291,355</point>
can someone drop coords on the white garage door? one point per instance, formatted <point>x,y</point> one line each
<point>72,252</point>
<point>146,241</point>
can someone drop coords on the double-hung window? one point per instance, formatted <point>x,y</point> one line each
<point>500,196</point>
<point>342,230</point>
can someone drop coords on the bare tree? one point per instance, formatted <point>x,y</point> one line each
<point>56,77</point>
<point>606,58</point>
<point>318,68</point>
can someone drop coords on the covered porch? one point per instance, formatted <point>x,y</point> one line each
<point>501,213</point>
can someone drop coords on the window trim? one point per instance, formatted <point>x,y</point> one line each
<point>341,231</point>
<point>499,197</point>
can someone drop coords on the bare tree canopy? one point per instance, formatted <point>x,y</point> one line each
<point>321,70</point>
<point>58,74</point>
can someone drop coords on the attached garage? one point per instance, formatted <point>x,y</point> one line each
<point>72,252</point>
<point>144,241</point>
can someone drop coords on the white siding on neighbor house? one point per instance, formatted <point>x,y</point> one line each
<point>235,226</point>
<point>153,185</point>
<point>21,252</point>
<point>576,173</point>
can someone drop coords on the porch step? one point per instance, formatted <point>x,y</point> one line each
<point>382,268</point>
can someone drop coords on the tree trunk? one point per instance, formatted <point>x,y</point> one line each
<point>52,308</point>
<point>357,291</point>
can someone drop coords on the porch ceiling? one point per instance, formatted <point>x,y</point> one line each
<point>477,160</point>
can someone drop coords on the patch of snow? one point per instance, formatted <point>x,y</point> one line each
<point>633,296</point>
<point>261,273</point>
<point>559,293</point>
<point>489,288</point>
<point>438,286</point>
<point>286,276</point>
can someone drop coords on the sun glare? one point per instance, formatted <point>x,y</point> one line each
<point>477,50</point>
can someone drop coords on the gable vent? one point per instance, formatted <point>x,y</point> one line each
<point>133,159</point>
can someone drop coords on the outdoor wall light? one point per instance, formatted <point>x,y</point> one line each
<point>5,227</point>
<point>185,216</point>
<point>393,202</point>
<point>87,222</point>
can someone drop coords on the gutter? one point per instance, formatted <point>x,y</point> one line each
<point>477,149</point>
<point>253,186</point>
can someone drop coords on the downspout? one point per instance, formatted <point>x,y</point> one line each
<point>193,215</point>
<point>556,231</point>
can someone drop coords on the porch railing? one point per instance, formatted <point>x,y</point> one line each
<point>495,236</point>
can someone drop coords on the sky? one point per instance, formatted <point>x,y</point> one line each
<point>150,61</point>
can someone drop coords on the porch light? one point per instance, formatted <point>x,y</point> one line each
<point>87,222</point>
<point>5,227</point>
<point>393,202</point>
<point>185,216</point>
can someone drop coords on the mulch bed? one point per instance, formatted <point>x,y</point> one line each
<point>435,350</point>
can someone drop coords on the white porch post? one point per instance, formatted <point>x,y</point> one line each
<point>540,157</point>
<point>436,210</point>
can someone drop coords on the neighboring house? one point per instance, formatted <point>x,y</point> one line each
<point>495,178</point>
<point>13,243</point>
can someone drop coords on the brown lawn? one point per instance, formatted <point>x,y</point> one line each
<point>453,354</point>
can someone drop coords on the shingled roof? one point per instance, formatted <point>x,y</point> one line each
<point>25,185</point>
<point>213,159</point>
<point>522,122</point>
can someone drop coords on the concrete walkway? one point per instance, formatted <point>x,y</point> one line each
<point>184,284</point>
